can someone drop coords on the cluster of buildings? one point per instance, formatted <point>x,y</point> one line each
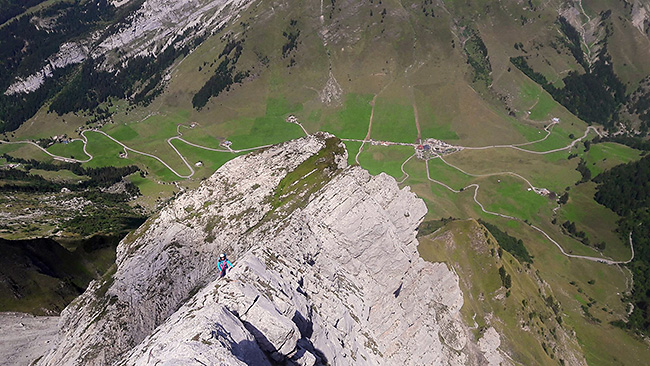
<point>430,148</point>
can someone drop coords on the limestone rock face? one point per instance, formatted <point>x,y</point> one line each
<point>326,272</point>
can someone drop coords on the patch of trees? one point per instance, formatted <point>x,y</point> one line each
<point>141,77</point>
<point>99,177</point>
<point>509,243</point>
<point>631,141</point>
<point>639,104</point>
<point>291,35</point>
<point>574,41</point>
<point>428,227</point>
<point>564,198</point>
<point>110,213</point>
<point>506,279</point>
<point>17,108</point>
<point>570,228</point>
<point>16,180</point>
<point>521,63</point>
<point>584,171</point>
<point>87,89</point>
<point>25,47</point>
<point>477,58</point>
<point>595,96</point>
<point>626,190</point>
<point>224,76</point>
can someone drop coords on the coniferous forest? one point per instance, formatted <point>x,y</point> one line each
<point>626,190</point>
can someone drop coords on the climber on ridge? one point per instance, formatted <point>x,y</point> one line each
<point>223,265</point>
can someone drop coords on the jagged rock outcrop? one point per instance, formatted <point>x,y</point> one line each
<point>326,271</point>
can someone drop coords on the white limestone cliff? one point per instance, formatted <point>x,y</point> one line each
<point>326,271</point>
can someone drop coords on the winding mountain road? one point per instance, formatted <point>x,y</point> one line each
<point>548,129</point>
<point>476,188</point>
<point>84,140</point>
<point>55,157</point>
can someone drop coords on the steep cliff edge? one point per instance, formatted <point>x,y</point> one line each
<point>326,272</point>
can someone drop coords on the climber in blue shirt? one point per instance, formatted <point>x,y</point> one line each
<point>223,265</point>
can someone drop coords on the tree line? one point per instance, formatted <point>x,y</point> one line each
<point>99,177</point>
<point>625,189</point>
<point>509,243</point>
<point>596,96</point>
<point>224,76</point>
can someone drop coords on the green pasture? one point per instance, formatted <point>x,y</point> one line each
<point>211,160</point>
<point>353,148</point>
<point>596,220</point>
<point>62,175</point>
<point>352,120</point>
<point>387,159</point>
<point>393,122</point>
<point>510,195</point>
<point>268,129</point>
<point>542,173</point>
<point>74,149</point>
<point>606,155</point>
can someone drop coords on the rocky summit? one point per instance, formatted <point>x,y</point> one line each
<point>326,271</point>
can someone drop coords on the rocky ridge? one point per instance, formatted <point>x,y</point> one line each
<point>326,272</point>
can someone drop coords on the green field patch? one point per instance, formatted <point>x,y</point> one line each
<point>353,148</point>
<point>606,155</point>
<point>269,129</point>
<point>558,138</point>
<point>62,175</point>
<point>24,151</point>
<point>105,152</point>
<point>210,161</point>
<point>315,116</point>
<point>152,192</point>
<point>554,176</point>
<point>124,133</point>
<point>156,168</point>
<point>510,196</point>
<point>74,149</point>
<point>529,132</point>
<point>387,159</point>
<point>352,120</point>
<point>152,130</point>
<point>596,220</point>
<point>280,107</point>
<point>393,122</point>
<point>9,148</point>
<point>545,104</point>
<point>452,177</point>
<point>581,300</point>
<point>430,125</point>
<point>529,92</point>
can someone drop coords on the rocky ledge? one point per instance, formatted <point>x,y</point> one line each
<point>326,272</point>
